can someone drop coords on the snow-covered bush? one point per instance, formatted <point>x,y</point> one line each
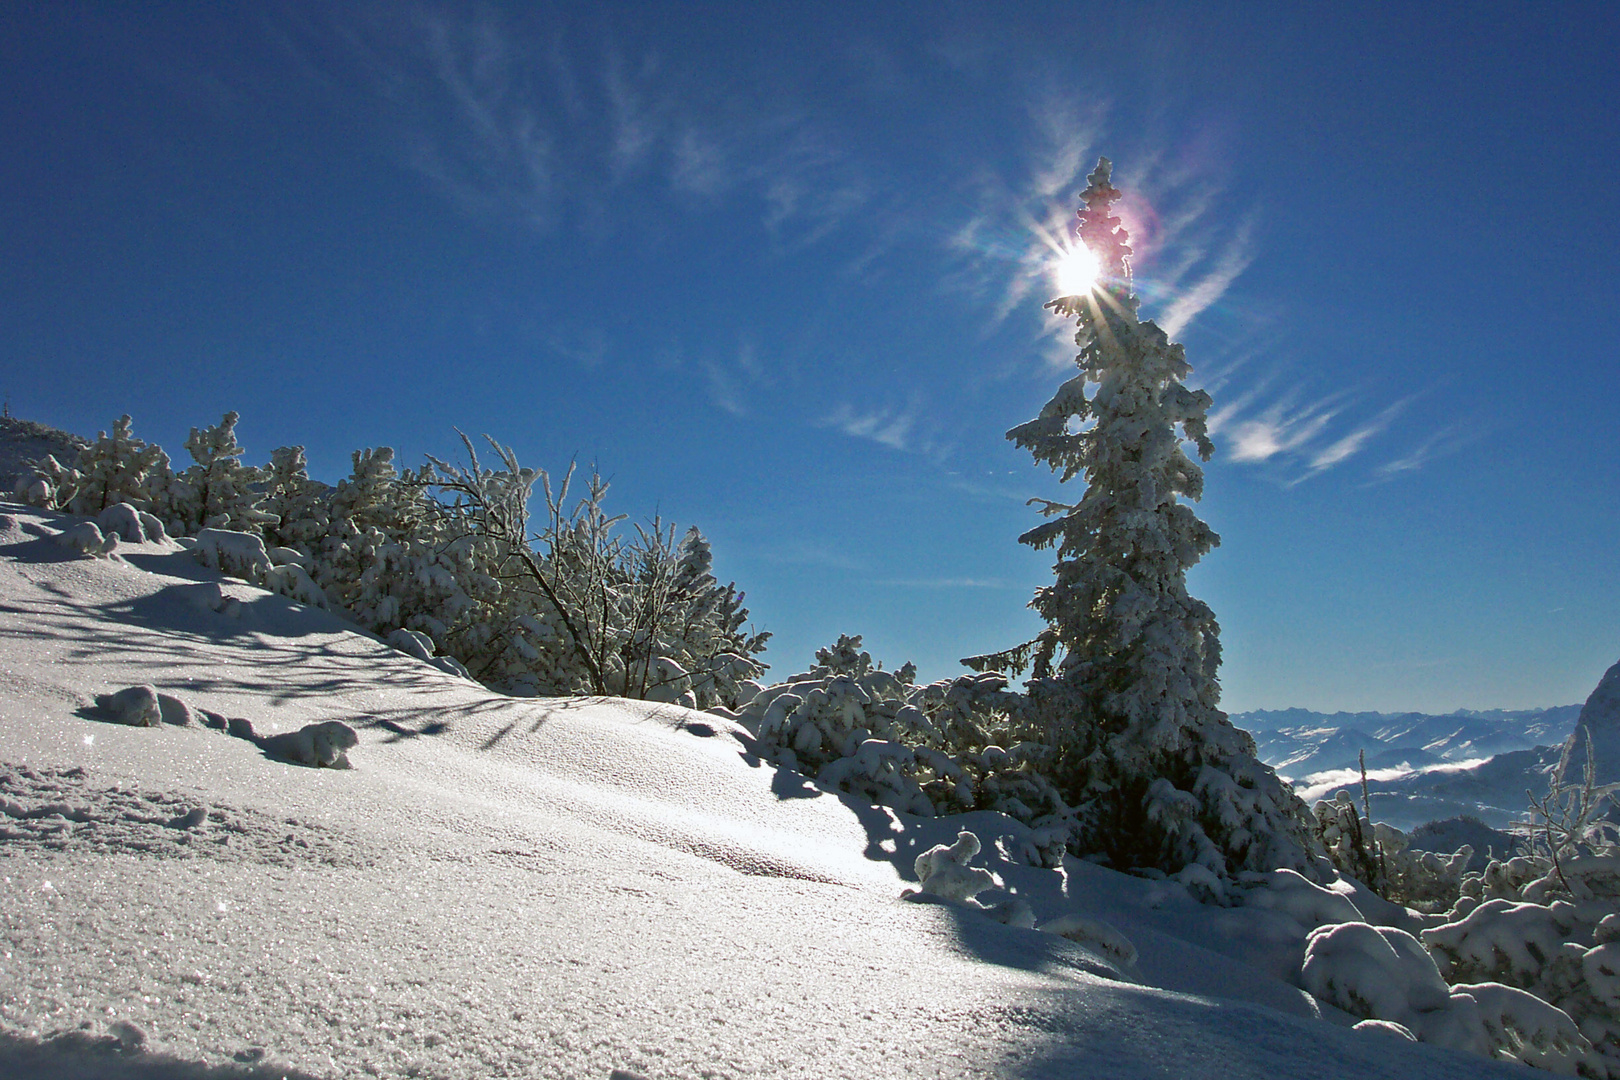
<point>1382,973</point>
<point>238,554</point>
<point>946,747</point>
<point>129,524</point>
<point>444,552</point>
<point>86,538</point>
<point>216,491</point>
<point>114,469</point>
<point>1546,923</point>
<point>586,608</point>
<point>943,870</point>
<point>298,503</point>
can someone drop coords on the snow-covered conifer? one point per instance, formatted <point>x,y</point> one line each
<point>114,469</point>
<point>1158,774</point>
<point>298,503</point>
<point>217,491</point>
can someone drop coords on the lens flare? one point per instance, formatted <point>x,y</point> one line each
<point>1076,271</point>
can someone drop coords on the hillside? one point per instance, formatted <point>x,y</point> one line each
<point>505,887</point>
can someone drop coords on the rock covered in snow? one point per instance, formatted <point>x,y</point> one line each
<point>317,745</point>
<point>1600,717</point>
<point>87,539</point>
<point>137,706</point>
<point>943,870</point>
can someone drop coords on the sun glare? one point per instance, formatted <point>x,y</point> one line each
<point>1076,271</point>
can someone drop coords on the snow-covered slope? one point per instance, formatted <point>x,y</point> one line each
<point>505,887</point>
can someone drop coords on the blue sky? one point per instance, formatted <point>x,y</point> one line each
<point>778,270</point>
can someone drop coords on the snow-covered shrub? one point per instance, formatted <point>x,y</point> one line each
<point>1307,903</point>
<point>946,747</point>
<point>223,491</point>
<point>1382,857</point>
<point>137,706</point>
<point>86,538</point>
<point>294,582</point>
<point>299,504</point>
<point>129,524</point>
<point>585,608</point>
<point>1425,880</point>
<point>238,554</point>
<point>114,469</point>
<point>320,746</point>
<point>48,484</point>
<point>1381,973</point>
<point>1545,923</point>
<point>943,870</point>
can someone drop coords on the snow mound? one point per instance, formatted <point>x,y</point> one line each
<point>317,745</point>
<point>943,870</point>
<point>87,539</point>
<point>137,706</point>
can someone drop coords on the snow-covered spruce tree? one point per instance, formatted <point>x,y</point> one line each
<point>298,503</point>
<point>114,469</point>
<point>1125,675</point>
<point>216,492</point>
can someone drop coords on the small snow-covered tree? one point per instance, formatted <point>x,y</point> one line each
<point>298,503</point>
<point>1125,674</point>
<point>114,469</point>
<point>217,491</point>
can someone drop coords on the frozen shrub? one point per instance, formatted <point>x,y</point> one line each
<point>137,706</point>
<point>319,746</point>
<point>238,554</point>
<point>943,870</point>
<point>114,469</point>
<point>85,538</point>
<point>1545,924</point>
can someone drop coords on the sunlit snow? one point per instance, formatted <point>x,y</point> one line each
<point>537,888</point>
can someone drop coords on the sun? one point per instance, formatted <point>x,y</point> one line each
<point>1076,271</point>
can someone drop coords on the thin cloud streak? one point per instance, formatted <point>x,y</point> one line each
<point>495,115</point>
<point>1351,444</point>
<point>1447,440</point>
<point>1195,301</point>
<point>946,583</point>
<point>889,427</point>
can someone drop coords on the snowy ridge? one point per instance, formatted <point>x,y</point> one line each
<point>538,888</point>
<point>1299,743</point>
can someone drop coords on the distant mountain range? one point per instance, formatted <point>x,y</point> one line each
<point>1421,767</point>
<point>1298,742</point>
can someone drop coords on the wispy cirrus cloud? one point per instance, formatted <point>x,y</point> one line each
<point>1301,437</point>
<point>729,379</point>
<point>1439,443</point>
<point>1226,264</point>
<point>947,583</point>
<point>889,426</point>
<point>510,121</point>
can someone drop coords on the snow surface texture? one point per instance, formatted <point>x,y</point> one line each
<point>535,888</point>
